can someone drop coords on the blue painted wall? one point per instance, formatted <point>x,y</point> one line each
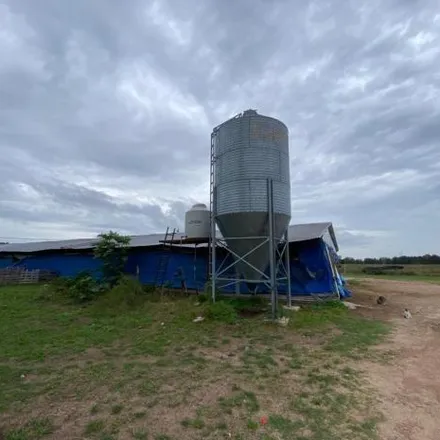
<point>149,262</point>
<point>311,275</point>
<point>66,265</point>
<point>5,262</point>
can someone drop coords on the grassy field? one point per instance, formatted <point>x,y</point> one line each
<point>150,372</point>
<point>412,272</point>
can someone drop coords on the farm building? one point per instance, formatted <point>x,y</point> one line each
<point>313,249</point>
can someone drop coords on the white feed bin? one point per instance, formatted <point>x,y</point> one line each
<point>197,221</point>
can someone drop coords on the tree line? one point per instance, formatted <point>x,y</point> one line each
<point>403,259</point>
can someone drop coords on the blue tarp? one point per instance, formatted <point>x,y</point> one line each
<point>311,272</point>
<point>64,264</point>
<point>6,262</point>
<point>176,264</point>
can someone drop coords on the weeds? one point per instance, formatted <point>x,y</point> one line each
<point>222,312</point>
<point>252,425</point>
<point>193,423</point>
<point>285,426</point>
<point>81,289</point>
<point>262,359</point>
<point>127,293</point>
<point>245,399</point>
<point>117,409</point>
<point>33,430</point>
<point>139,434</point>
<point>94,427</point>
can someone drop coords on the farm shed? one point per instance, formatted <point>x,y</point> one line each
<point>313,249</point>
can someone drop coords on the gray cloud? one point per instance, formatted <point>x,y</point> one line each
<point>106,112</point>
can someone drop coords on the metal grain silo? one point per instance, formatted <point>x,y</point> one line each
<point>250,150</point>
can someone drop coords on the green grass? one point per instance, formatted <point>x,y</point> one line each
<point>252,425</point>
<point>356,333</point>
<point>429,273</point>
<point>244,399</point>
<point>193,423</point>
<point>139,434</point>
<point>262,359</point>
<point>33,430</point>
<point>284,426</point>
<point>94,427</point>
<point>154,358</point>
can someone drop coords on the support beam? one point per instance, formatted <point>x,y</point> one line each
<point>272,261</point>
<point>289,280</point>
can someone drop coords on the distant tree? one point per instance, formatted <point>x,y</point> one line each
<point>112,250</point>
<point>401,259</point>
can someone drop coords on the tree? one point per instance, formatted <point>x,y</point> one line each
<point>112,250</point>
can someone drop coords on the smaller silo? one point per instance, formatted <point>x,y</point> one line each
<point>197,221</point>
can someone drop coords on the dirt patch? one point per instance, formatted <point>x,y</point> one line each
<point>409,386</point>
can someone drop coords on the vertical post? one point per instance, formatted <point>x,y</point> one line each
<point>212,208</point>
<point>289,286</point>
<point>273,282</point>
<point>237,284</point>
<point>213,249</point>
<point>330,261</point>
<point>195,269</point>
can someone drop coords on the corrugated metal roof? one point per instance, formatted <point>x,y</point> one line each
<point>310,231</point>
<point>297,233</point>
<point>79,244</point>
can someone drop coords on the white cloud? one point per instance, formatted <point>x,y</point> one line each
<point>176,31</point>
<point>18,49</point>
<point>105,116</point>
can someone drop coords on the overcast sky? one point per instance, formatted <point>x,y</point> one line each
<point>106,110</point>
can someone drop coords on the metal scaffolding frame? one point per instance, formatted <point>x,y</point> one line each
<point>278,248</point>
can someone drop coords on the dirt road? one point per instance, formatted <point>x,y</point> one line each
<point>409,387</point>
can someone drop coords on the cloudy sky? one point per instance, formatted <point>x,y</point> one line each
<point>106,110</point>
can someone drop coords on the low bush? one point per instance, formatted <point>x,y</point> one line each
<point>60,286</point>
<point>222,311</point>
<point>203,298</point>
<point>128,292</point>
<point>80,289</point>
<point>84,288</point>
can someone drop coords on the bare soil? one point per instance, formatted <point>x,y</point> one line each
<point>409,386</point>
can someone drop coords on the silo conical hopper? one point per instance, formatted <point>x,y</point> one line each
<point>250,149</point>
